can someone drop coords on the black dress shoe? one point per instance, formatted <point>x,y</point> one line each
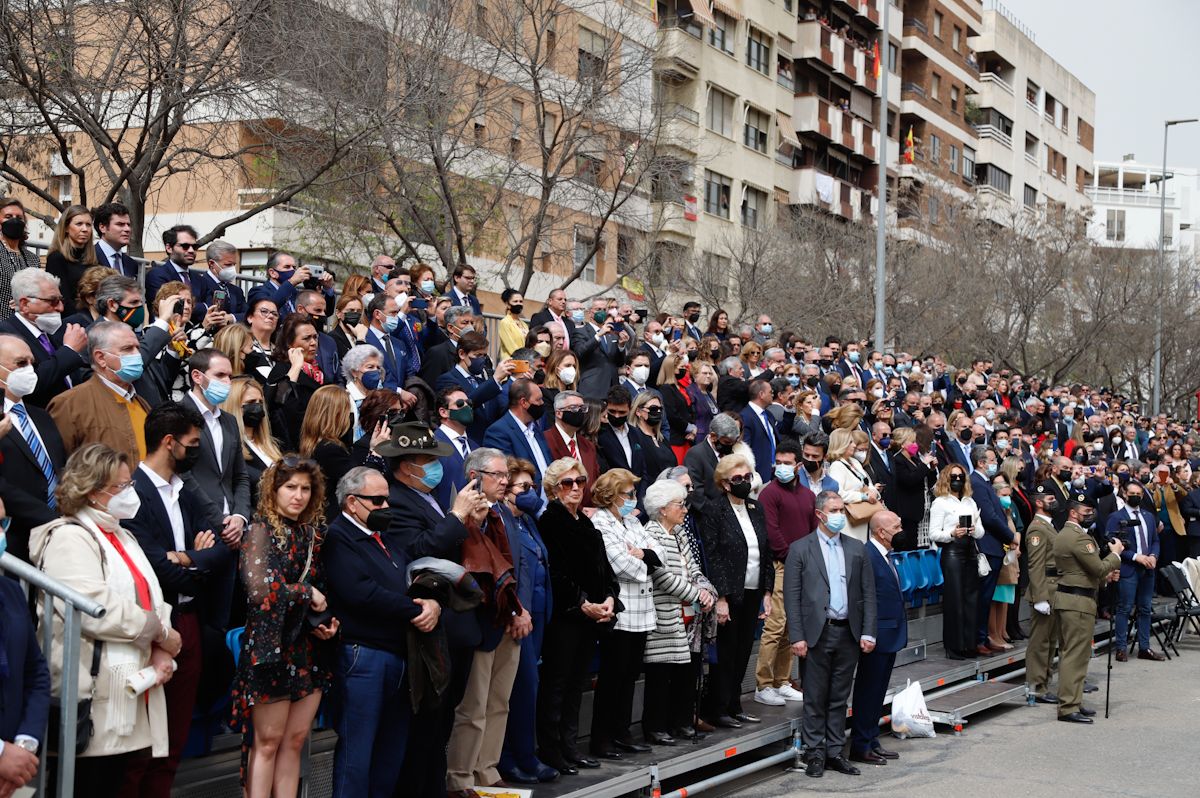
<point>684,733</point>
<point>605,753</point>
<point>1046,698</point>
<point>660,738</point>
<point>870,758</point>
<point>546,773</point>
<point>1087,713</point>
<point>630,747</point>
<point>1151,654</point>
<point>726,722</point>
<point>518,776</point>
<point>816,767</point>
<point>746,717</point>
<point>841,765</point>
<point>886,754</point>
<point>1088,687</point>
<point>578,761</point>
<point>1075,717</point>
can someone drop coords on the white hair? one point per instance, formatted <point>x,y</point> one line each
<point>660,494</point>
<point>27,283</point>
<point>358,356</point>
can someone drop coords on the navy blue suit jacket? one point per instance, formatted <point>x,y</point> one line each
<point>453,478</point>
<point>128,266</point>
<point>284,296</point>
<point>470,301</point>
<point>995,524</point>
<point>25,694</point>
<point>1128,566</point>
<point>506,435</point>
<point>202,289</point>
<point>394,373</point>
<point>328,360</point>
<point>488,398</point>
<point>161,274</point>
<point>891,625</point>
<point>757,438</point>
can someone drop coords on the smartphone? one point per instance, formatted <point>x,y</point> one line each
<point>420,304</point>
<point>678,334</point>
<point>965,521</point>
<point>218,298</point>
<point>177,309</point>
<point>1163,476</point>
<point>520,366</point>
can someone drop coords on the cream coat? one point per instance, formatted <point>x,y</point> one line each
<point>68,551</point>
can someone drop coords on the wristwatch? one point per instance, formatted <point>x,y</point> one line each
<point>29,745</point>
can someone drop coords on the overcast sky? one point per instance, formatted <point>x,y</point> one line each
<point>1141,59</point>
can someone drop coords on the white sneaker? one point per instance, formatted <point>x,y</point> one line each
<point>789,693</point>
<point>769,696</point>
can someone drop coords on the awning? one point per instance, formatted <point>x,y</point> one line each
<point>784,47</point>
<point>730,8</point>
<point>702,13</point>
<point>786,131</point>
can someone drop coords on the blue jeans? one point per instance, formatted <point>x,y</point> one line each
<point>372,716</point>
<point>1136,589</point>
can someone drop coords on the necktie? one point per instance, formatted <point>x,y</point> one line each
<point>185,277</point>
<point>766,419</point>
<point>462,444</point>
<point>1143,543</point>
<point>379,539</point>
<point>39,452</point>
<point>571,448</point>
<point>44,340</point>
<point>391,353</point>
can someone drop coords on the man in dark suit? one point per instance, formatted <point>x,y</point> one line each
<point>220,472</point>
<point>120,299</point>
<point>441,358</point>
<point>112,225</point>
<point>455,413</point>
<point>563,438</point>
<point>654,345</point>
<point>879,463</point>
<point>486,393</point>
<point>961,439</point>
<point>32,449</point>
<point>284,278</point>
<point>24,691</point>
<point>758,428</point>
<point>516,432</point>
<point>733,392</point>
<point>1136,527</point>
<point>555,313</point>
<point>849,366</point>
<point>1059,486</point>
<point>381,270</point>
<point>423,528</point>
<point>37,322</point>
<point>382,317</point>
<point>600,352</point>
<point>180,244</point>
<point>463,292</point>
<point>313,303</point>
<point>996,534</point>
<point>829,590</point>
<point>180,536</point>
<point>221,263</point>
<point>875,669</point>
<point>701,461</point>
<point>691,318</point>
<point>614,446</point>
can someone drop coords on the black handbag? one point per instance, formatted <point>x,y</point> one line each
<point>84,728</point>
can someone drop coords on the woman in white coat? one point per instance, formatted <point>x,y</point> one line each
<point>847,456</point>
<point>954,525</point>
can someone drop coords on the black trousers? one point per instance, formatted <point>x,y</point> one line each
<point>735,639</point>
<point>424,771</point>
<point>566,654</point>
<point>670,695</point>
<point>870,687</point>
<point>828,672</point>
<point>612,704</point>
<point>1188,546</point>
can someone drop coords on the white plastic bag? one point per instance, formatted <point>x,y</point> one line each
<point>910,717</point>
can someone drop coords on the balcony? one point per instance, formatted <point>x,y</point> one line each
<point>1032,106</point>
<point>814,187</point>
<point>680,128</point>
<point>1127,196</point>
<point>1031,160</point>
<point>813,114</point>
<point>913,22</point>
<point>913,88</point>
<point>677,58</point>
<point>995,134</point>
<point>814,41</point>
<point>671,222</point>
<point>997,81</point>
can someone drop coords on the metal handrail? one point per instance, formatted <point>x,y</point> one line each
<point>75,604</point>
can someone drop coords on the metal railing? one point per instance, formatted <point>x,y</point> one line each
<point>994,133</point>
<point>996,80</point>
<point>75,605</point>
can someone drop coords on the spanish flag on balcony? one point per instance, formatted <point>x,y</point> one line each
<point>909,146</point>
<point>876,62</point>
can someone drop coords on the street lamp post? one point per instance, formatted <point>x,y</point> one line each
<point>881,216</point>
<point>1156,401</point>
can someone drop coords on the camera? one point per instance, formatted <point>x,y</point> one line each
<point>1122,531</point>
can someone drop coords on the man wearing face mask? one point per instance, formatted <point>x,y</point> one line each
<point>1138,561</point>
<point>1043,583</point>
<point>220,471</point>
<point>639,373</point>
<point>221,264</point>
<point>829,589</point>
<point>848,366</point>
<point>763,329</point>
<point>615,447</point>
<point>31,448</point>
<point>486,393</point>
<point>813,473</point>
<point>38,322</point>
<point>120,299</point>
<point>1059,486</point>
<point>996,535</point>
<point>518,431</point>
<point>106,409</point>
<point>654,345</point>
<point>458,320</point>
<point>701,460</point>
<point>879,464</point>
<point>178,529</point>
<point>384,315</point>
<point>691,320</point>
<point>14,256</point>
<point>564,438</point>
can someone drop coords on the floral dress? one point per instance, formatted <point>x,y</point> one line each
<point>280,660</point>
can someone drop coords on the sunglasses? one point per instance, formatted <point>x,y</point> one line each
<point>375,501</point>
<point>573,482</point>
<point>295,461</point>
<point>738,479</point>
<point>186,246</point>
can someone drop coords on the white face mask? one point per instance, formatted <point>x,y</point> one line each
<point>860,457</point>
<point>48,322</point>
<point>566,375</point>
<point>640,374</point>
<point>22,382</point>
<point>227,275</point>
<point>657,339</point>
<point>877,393</point>
<point>125,505</point>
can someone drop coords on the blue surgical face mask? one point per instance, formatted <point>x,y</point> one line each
<point>628,506</point>
<point>835,522</point>
<point>529,502</point>
<point>285,276</point>
<point>767,328</point>
<point>1006,502</point>
<point>370,380</point>
<point>216,392</point>
<point>852,357</point>
<point>885,443</point>
<point>131,367</point>
<point>432,474</point>
<point>793,380</point>
<point>577,316</point>
<point>785,473</point>
<point>390,323</point>
<point>427,286</point>
<point>991,470</point>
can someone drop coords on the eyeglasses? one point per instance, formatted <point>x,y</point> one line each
<point>738,479</point>
<point>521,487</point>
<point>459,404</point>
<point>120,487</point>
<point>677,503</point>
<point>574,408</point>
<point>53,301</point>
<point>268,314</point>
<point>628,494</point>
<point>185,246</point>
<point>376,501</point>
<point>295,461</point>
<point>572,482</point>
<point>499,476</point>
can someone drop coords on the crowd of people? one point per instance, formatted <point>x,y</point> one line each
<point>440,536</point>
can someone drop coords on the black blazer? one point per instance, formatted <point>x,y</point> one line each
<point>732,394</point>
<point>884,473</point>
<point>612,455</point>
<point>701,462</point>
<point>287,402</point>
<point>912,479</point>
<point>421,531</point>
<point>334,460</point>
<point>726,552</point>
<point>437,361</point>
<point>25,693</point>
<point>678,413</point>
<point>68,273</point>
<point>342,341</point>
<point>52,369</point>
<point>543,317</point>
<point>24,476</point>
<point>210,582</point>
<point>579,568</point>
<point>657,455</point>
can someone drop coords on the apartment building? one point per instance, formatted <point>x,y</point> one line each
<point>1127,206</point>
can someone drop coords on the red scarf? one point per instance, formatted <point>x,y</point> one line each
<point>139,581</point>
<point>312,371</point>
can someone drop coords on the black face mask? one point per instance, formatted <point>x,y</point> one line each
<point>352,317</point>
<point>654,415</point>
<point>574,418</point>
<point>812,382</point>
<point>1086,521</point>
<point>191,454</point>
<point>253,414</point>
<point>714,353</point>
<point>965,435</point>
<point>477,365</point>
<point>825,363</point>
<point>812,466</point>
<point>723,448</point>
<point>1051,507</point>
<point>539,376</point>
<point>693,317</point>
<point>516,309</point>
<point>1064,475</point>
<point>378,520</point>
<point>1134,501</point>
<point>980,440</point>
<point>957,483</point>
<point>741,489</point>
<point>13,229</point>
<point>617,421</point>
<point>537,411</point>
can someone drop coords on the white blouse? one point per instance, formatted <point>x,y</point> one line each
<point>943,517</point>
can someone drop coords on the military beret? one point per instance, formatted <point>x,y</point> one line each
<point>1082,500</point>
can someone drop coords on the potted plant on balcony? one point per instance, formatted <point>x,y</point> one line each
<point>971,112</point>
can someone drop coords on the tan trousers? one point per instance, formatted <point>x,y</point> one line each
<point>774,667</point>
<point>481,718</point>
<point>1043,643</point>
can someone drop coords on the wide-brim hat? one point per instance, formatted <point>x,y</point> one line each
<point>413,438</point>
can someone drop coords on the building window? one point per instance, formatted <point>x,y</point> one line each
<point>937,24</point>
<point>585,256</point>
<point>718,266</point>
<point>717,190</point>
<point>1114,227</point>
<point>990,175</point>
<point>754,134</point>
<point>935,149</point>
<point>720,35</point>
<point>549,129</point>
<point>953,159</point>
<point>956,38</point>
<point>720,112</point>
<point>589,158</point>
<point>968,163</point>
<point>893,58</point>
<point>998,120</point>
<point>1030,197</point>
<point>593,49</point>
<point>954,98</point>
<point>754,206</point>
<point>935,87</point>
<point>933,209</point>
<point>758,51</point>
<point>1168,233</point>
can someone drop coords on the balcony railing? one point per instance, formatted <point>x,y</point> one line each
<point>997,81</point>
<point>785,81</point>
<point>1031,159</point>
<point>994,133</point>
<point>913,22</point>
<point>1048,117</point>
<point>681,112</point>
<point>1031,105</point>
<point>1127,196</point>
<point>915,88</point>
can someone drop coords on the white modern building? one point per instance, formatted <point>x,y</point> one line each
<point>1127,202</point>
